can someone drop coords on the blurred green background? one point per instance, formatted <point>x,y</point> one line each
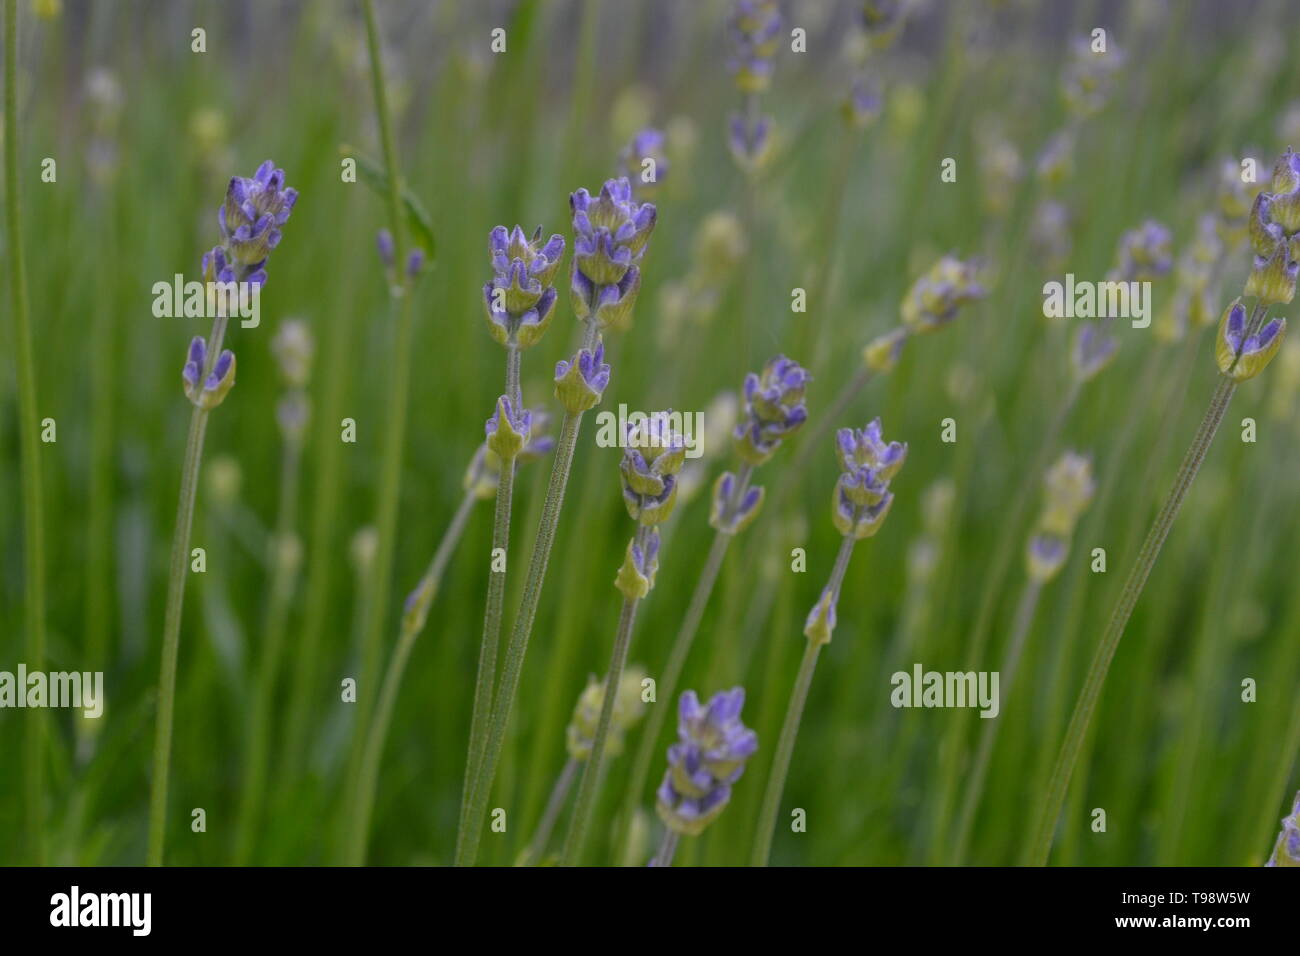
<point>1186,771</point>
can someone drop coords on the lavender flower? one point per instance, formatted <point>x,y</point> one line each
<point>508,429</point>
<point>1089,79</point>
<point>1274,230</point>
<point>644,161</point>
<point>1069,489</point>
<point>250,221</point>
<point>755,29</point>
<point>652,457</point>
<point>1241,356</point>
<point>629,707</point>
<point>709,756</point>
<point>882,20</point>
<point>1286,852</point>
<point>484,469</point>
<point>521,295</point>
<point>749,142</point>
<point>580,383</point>
<point>294,349</point>
<point>384,244</point>
<point>1145,253</point>
<point>863,103</point>
<point>219,381</point>
<point>936,297</point>
<point>774,408</point>
<point>1092,351</point>
<point>862,497</point>
<point>610,237</point>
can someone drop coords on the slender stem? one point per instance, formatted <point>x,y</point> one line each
<point>793,717</point>
<point>364,799</point>
<point>559,793</point>
<point>472,811</point>
<point>667,849</point>
<point>33,508</point>
<point>1059,783</point>
<point>283,574</point>
<point>171,636</point>
<point>512,375</point>
<point>988,736</point>
<point>487,655</point>
<point>591,774</point>
<point>390,473</point>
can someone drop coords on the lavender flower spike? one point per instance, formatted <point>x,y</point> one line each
<point>653,454</point>
<point>251,217</point>
<point>935,298</point>
<point>1274,230</point>
<point>610,236</point>
<point>862,498</point>
<point>1242,357</point>
<point>755,28</point>
<point>644,161</point>
<point>709,756</point>
<point>774,408</point>
<point>521,295</point>
<point>219,381</point>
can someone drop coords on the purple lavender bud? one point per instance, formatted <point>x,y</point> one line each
<point>934,299</point>
<point>520,296</point>
<point>863,103</point>
<point>384,242</point>
<point>250,221</point>
<point>709,756</point>
<point>731,516</point>
<point>1093,350</point>
<point>653,455</point>
<point>1242,357</point>
<point>644,161</point>
<point>755,28</point>
<point>508,429</point>
<point>579,384</point>
<point>219,381</point>
<point>862,499</point>
<point>1145,253</point>
<point>820,623</point>
<point>1286,852</point>
<point>749,146</point>
<point>193,370</point>
<point>1274,230</point>
<point>636,576</point>
<point>774,408</point>
<point>414,263</point>
<point>292,413</point>
<point>610,237</point>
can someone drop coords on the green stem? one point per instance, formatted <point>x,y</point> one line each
<point>283,574</point>
<point>591,774</point>
<point>472,811</point>
<point>1133,584</point>
<point>176,575</point>
<point>378,735</point>
<point>487,655</point>
<point>666,849</point>
<point>33,507</point>
<point>793,717</point>
<point>390,473</point>
<point>988,737</point>
<point>559,793</point>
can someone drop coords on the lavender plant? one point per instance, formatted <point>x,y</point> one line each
<point>611,233</point>
<point>859,506</point>
<point>580,738</point>
<point>33,507</point>
<point>482,478</point>
<point>644,161</point>
<point>755,30</point>
<point>713,746</point>
<point>1244,346</point>
<point>519,302</point>
<point>652,457</point>
<point>774,410</point>
<point>250,221</point>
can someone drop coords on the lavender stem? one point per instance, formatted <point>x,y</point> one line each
<point>559,793</point>
<point>667,849</point>
<point>793,717</point>
<point>473,808</point>
<point>1045,831</point>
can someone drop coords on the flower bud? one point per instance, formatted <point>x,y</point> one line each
<point>882,352</point>
<point>219,381</point>
<point>935,298</point>
<point>636,576</point>
<point>1242,357</point>
<point>820,624</point>
<point>733,517</point>
<point>709,756</point>
<point>579,384</point>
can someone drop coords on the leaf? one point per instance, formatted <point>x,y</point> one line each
<point>417,217</point>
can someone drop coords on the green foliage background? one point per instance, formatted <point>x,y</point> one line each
<point>1186,772</point>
